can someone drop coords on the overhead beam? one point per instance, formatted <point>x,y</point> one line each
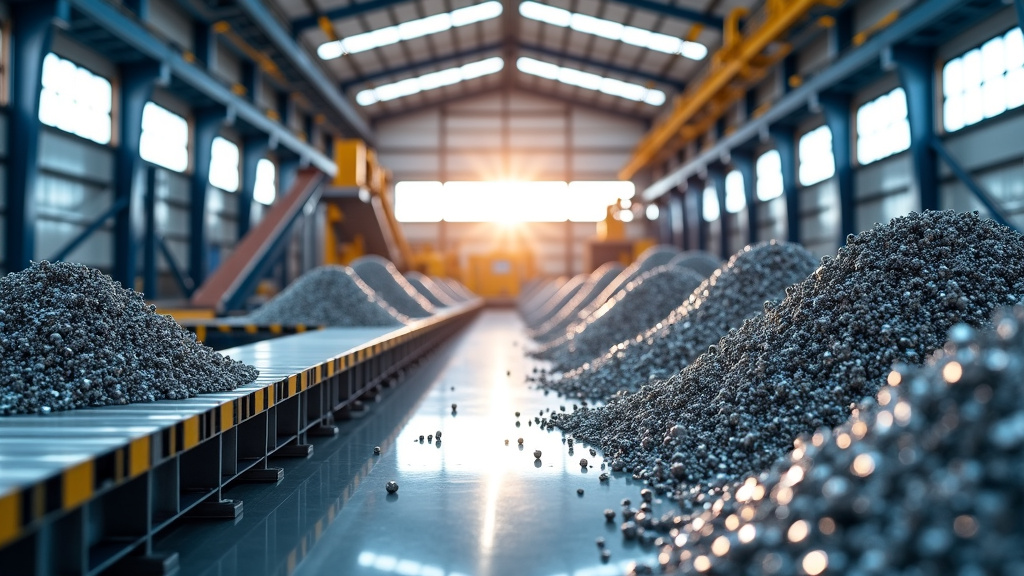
<point>413,66</point>
<point>141,40</point>
<point>286,44</point>
<point>855,60</point>
<point>680,12</point>
<point>355,9</point>
<point>606,65</point>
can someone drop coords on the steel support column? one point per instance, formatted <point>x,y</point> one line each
<point>1020,12</point>
<point>784,143</point>
<point>718,180</point>
<point>677,218</point>
<point>30,43</point>
<point>253,150</point>
<point>837,117</point>
<point>137,82</point>
<point>149,241</point>
<point>917,75</point>
<point>696,193</point>
<point>207,123</point>
<point>744,164</point>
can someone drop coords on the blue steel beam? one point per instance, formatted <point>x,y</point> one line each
<point>414,66</point>
<point>679,12</point>
<point>30,43</point>
<point>921,16</point>
<point>695,190</point>
<point>994,210</point>
<point>149,242</point>
<point>287,170</point>
<point>137,82</point>
<point>299,25</point>
<point>744,164</point>
<point>145,44</point>
<point>253,150</point>
<point>917,75</point>
<point>718,180</point>
<point>784,143</point>
<point>837,117</point>
<point>300,59</point>
<point>119,205</point>
<point>1019,4</point>
<point>207,122</point>
<point>606,65</point>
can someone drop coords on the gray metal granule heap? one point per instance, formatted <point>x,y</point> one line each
<point>927,478</point>
<point>703,263</point>
<point>650,259</point>
<point>555,302</point>
<point>890,295</point>
<point>429,290</point>
<point>736,292</point>
<point>454,289</point>
<point>72,337</point>
<point>328,296</point>
<point>638,306</point>
<point>596,282</point>
<point>381,275</point>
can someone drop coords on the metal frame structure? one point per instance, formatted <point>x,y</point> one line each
<point>95,486</point>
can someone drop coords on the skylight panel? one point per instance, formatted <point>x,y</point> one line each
<point>430,81</point>
<point>574,77</point>
<point>613,30</point>
<point>409,30</point>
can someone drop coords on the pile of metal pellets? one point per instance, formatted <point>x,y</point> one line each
<point>72,337</point>
<point>381,275</point>
<point>431,290</point>
<point>328,296</point>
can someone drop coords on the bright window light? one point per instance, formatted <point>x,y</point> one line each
<point>769,175</point>
<point>574,77</point>
<point>164,140</point>
<point>430,81</point>
<point>735,196</point>
<point>983,82</point>
<point>882,127</point>
<point>75,100</point>
<point>613,30</point>
<point>710,210</point>
<point>224,164</point>
<point>816,160</point>
<point>652,212</point>
<point>508,202</point>
<point>409,30</point>
<point>265,189</point>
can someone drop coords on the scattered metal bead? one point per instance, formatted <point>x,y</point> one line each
<point>520,441</point>
<point>609,514</point>
<point>376,450</point>
<point>391,487</point>
<point>579,491</point>
<point>536,454</point>
<point>583,462</point>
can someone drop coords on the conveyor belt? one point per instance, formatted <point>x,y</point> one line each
<point>468,506</point>
<point>81,490</point>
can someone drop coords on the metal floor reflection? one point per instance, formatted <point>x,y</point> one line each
<point>469,505</point>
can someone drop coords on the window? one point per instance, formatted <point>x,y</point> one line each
<point>710,210</point>
<point>509,202</point>
<point>574,77</point>
<point>409,30</point>
<point>816,160</point>
<point>882,127</point>
<point>769,175</point>
<point>265,189</point>
<point>224,164</point>
<point>75,100</point>
<point>411,86</point>
<point>613,30</point>
<point>164,139</point>
<point>984,82</point>
<point>735,196</point>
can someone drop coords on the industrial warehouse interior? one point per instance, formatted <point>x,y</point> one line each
<point>511,287</point>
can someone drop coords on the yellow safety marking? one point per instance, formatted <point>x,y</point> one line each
<point>224,328</point>
<point>10,517</point>
<point>259,401</point>
<point>227,415</point>
<point>271,394</point>
<point>138,456</point>
<point>77,484</point>
<point>275,329</point>
<point>172,447</point>
<point>38,501</point>
<point>300,328</point>
<point>191,432</point>
<point>200,333</point>
<point>293,385</point>
<point>251,329</point>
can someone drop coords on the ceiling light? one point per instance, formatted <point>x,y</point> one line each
<point>574,77</point>
<point>430,81</point>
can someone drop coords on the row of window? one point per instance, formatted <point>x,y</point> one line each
<point>80,102</point>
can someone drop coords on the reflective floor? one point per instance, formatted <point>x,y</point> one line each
<point>469,505</point>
